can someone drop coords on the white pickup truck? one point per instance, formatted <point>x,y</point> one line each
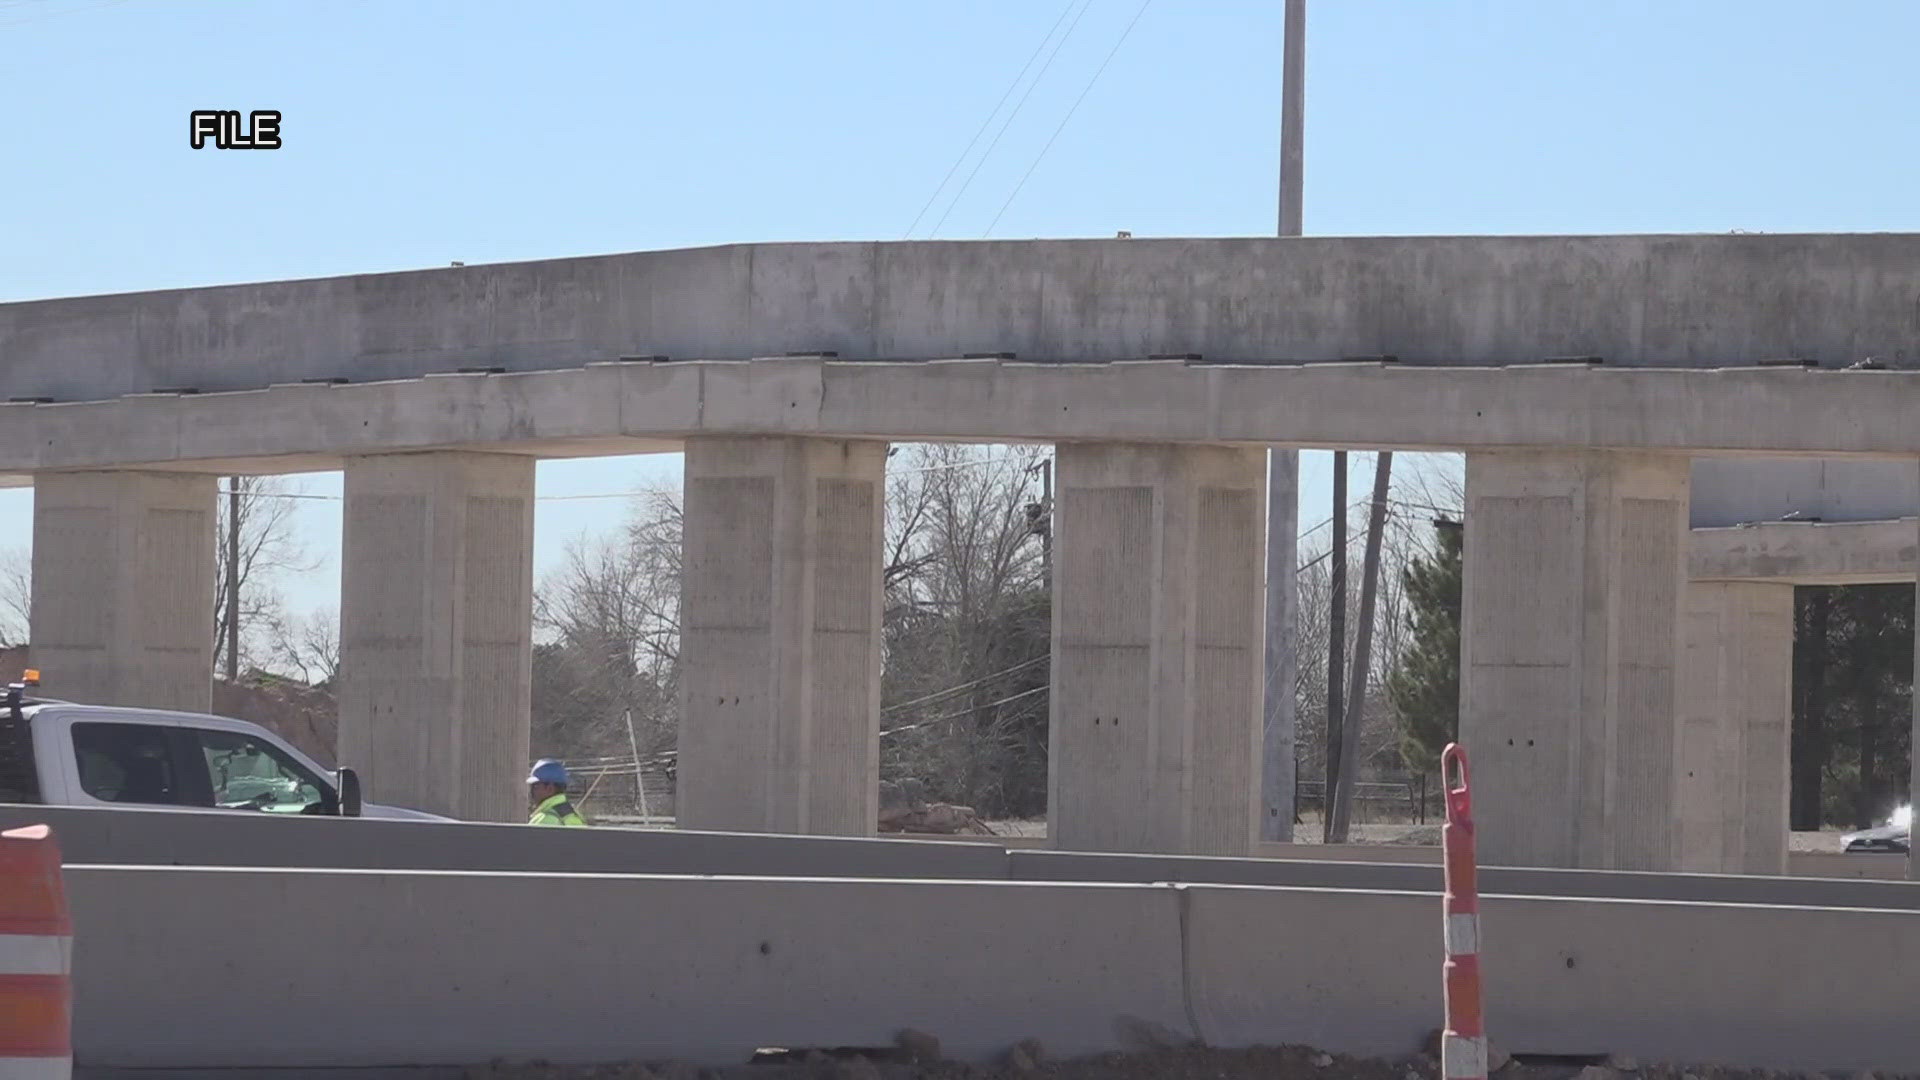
<point>61,754</point>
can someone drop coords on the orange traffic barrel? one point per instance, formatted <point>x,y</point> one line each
<point>1463,1049</point>
<point>36,959</point>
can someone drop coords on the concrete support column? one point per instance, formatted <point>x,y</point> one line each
<point>780,635</point>
<point>436,645</point>
<point>1736,705</point>
<point>1570,647</point>
<point>1913,743</point>
<point>122,607</point>
<point>1157,649</point>
<point>1282,635</point>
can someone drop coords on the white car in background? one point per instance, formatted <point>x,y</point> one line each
<point>1891,836</point>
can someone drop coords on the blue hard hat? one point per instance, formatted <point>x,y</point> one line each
<point>548,771</point>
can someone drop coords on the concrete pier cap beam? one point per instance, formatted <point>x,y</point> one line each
<point>1158,622</point>
<point>780,635</point>
<point>1569,655</point>
<point>123,589</point>
<point>436,645</point>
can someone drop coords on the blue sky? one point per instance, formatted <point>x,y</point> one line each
<point>425,132</point>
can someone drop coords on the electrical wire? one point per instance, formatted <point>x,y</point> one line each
<point>955,167</point>
<point>1063,120</point>
<point>1023,665</point>
<point>1009,121</point>
<point>968,464</point>
<point>929,722</point>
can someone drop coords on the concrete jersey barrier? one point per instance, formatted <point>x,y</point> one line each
<point>341,968</point>
<point>195,838</point>
<point>140,837</point>
<point>1506,880</point>
<point>1761,987</point>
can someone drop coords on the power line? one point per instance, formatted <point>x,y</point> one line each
<point>968,464</point>
<point>1311,563</point>
<point>965,712</point>
<point>596,495</point>
<point>273,494</point>
<point>989,120</point>
<point>1009,121</point>
<point>968,685</point>
<point>1352,506</point>
<point>1063,120</point>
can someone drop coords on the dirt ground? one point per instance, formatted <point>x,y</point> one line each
<point>1267,1063</point>
<point>1403,833</point>
<point>1386,833</point>
<point>1307,832</point>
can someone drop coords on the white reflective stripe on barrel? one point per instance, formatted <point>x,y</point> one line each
<point>1464,1059</point>
<point>35,954</point>
<point>36,1068</point>
<point>1463,935</point>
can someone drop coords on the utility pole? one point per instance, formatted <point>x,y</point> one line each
<point>1040,522</point>
<point>1046,535</point>
<point>1293,116</point>
<point>233,580</point>
<point>1278,764</point>
<point>1336,645</point>
<point>639,772</point>
<point>1342,813</point>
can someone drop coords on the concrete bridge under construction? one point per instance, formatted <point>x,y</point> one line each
<point>1623,671</point>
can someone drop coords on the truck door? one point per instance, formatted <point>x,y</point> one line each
<point>141,764</point>
<point>250,773</point>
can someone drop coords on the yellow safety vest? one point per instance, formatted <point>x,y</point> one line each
<point>556,811</point>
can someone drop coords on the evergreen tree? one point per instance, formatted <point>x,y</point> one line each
<point>1425,686</point>
<point>1853,653</point>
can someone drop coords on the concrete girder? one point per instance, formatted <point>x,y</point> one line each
<point>1696,300</point>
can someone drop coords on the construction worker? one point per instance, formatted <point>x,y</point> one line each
<point>547,793</point>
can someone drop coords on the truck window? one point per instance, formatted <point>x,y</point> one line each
<point>129,763</point>
<point>19,773</point>
<point>251,774</point>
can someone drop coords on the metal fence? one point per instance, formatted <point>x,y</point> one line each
<point>641,792</point>
<point>1410,795</point>
<point>623,789</point>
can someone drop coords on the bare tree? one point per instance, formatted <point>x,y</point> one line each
<point>307,648</point>
<point>967,628</point>
<point>1424,486</point>
<point>258,544</point>
<point>610,619</point>
<point>16,596</point>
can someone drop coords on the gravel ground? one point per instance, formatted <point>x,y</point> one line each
<point>1266,1063</point>
<point>1397,834</point>
<point>1408,833</point>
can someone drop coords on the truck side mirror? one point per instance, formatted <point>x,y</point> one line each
<point>349,793</point>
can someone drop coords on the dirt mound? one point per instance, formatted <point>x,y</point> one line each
<point>305,716</point>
